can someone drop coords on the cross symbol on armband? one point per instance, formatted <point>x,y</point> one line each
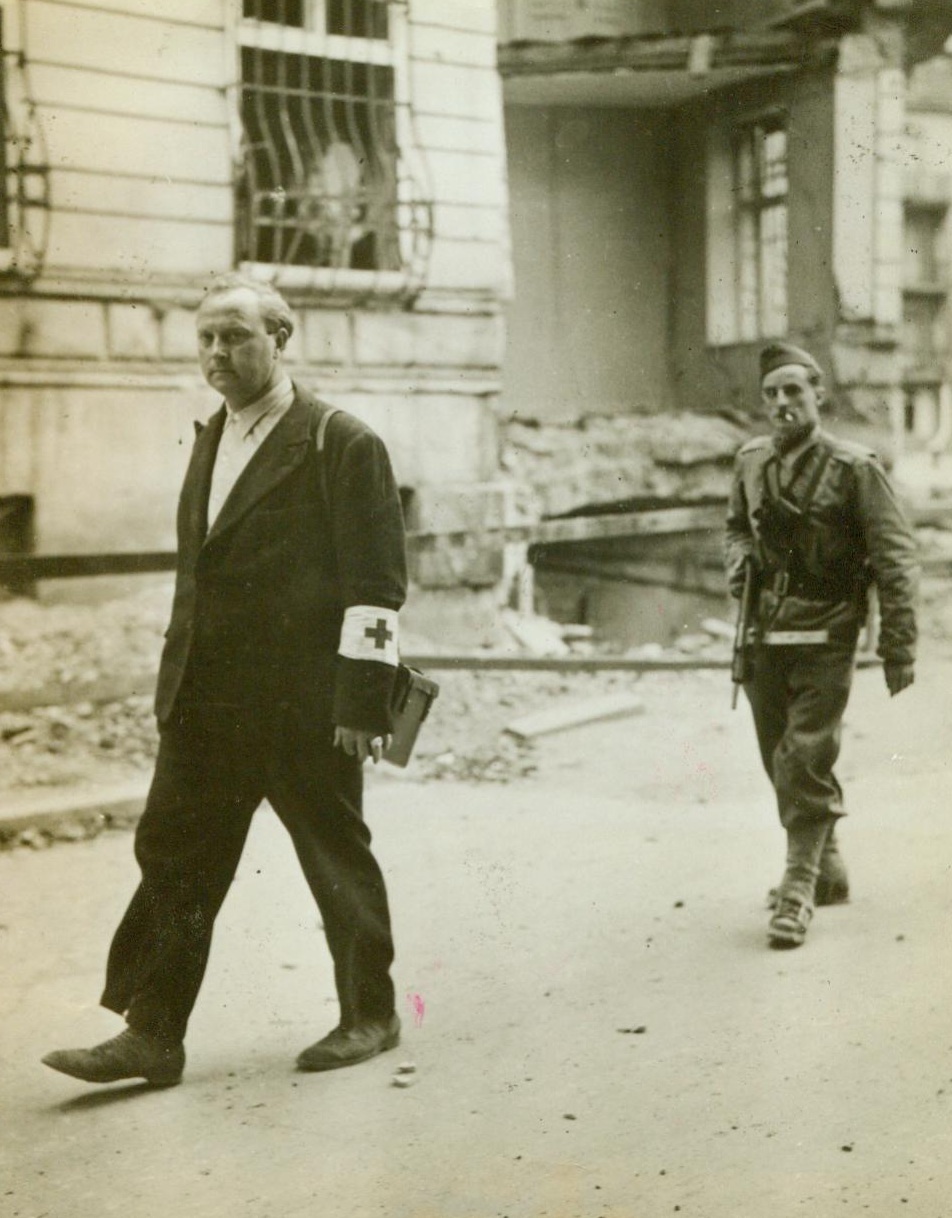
<point>380,635</point>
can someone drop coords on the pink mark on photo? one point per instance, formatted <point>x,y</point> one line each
<point>417,1006</point>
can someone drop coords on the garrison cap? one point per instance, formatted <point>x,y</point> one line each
<point>776,355</point>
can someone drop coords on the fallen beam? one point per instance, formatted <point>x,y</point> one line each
<point>574,714</point>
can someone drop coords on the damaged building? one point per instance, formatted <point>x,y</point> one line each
<point>536,244</point>
<point>688,181</point>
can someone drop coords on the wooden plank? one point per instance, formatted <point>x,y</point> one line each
<point>630,524</point>
<point>65,566</point>
<point>116,689</point>
<point>53,86</point>
<point>563,716</point>
<point>489,662</point>
<point>113,41</point>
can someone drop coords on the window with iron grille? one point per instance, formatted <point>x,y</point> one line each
<point>24,169</point>
<point>761,188</point>
<point>4,130</point>
<point>324,179</point>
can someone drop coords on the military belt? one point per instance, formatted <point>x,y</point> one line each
<point>788,638</point>
<point>796,638</point>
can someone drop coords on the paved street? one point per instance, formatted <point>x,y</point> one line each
<point>597,1025</point>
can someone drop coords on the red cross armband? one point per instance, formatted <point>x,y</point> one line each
<point>370,633</point>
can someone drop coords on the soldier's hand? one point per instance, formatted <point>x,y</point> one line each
<point>898,677</point>
<point>361,744</point>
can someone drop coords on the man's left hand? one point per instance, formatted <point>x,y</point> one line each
<point>898,677</point>
<point>361,744</point>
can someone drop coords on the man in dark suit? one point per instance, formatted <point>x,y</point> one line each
<point>274,684</point>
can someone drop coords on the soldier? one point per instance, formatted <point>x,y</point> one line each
<point>816,521</point>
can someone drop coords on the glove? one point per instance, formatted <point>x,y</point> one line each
<point>898,677</point>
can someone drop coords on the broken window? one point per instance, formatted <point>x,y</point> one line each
<point>760,186</point>
<point>323,181</point>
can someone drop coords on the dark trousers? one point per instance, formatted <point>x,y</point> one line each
<point>211,774</point>
<point>798,696</point>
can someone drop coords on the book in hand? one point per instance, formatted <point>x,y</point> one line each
<point>413,695</point>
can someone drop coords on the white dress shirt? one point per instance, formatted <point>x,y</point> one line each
<point>244,432</point>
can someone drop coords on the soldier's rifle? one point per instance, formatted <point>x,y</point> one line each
<point>745,614</point>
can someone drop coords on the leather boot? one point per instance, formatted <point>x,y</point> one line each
<point>797,895</point>
<point>832,885</point>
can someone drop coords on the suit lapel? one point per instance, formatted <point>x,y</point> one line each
<point>282,451</point>
<point>198,480</point>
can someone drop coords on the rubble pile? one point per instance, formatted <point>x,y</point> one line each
<point>43,645</point>
<point>602,460</point>
<point>464,737</point>
<point>77,743</point>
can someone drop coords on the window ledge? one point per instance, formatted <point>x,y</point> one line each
<point>925,288</point>
<point>330,281</point>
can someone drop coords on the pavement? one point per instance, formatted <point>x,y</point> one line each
<point>597,1027</point>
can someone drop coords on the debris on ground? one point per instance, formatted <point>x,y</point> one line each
<point>573,714</point>
<point>85,741</point>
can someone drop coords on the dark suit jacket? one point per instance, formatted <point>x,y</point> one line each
<point>260,597</point>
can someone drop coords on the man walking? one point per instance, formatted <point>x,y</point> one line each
<point>815,521</point>
<point>274,684</point>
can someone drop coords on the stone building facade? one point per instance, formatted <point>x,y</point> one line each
<point>352,152</point>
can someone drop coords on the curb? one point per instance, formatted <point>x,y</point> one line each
<point>73,815</point>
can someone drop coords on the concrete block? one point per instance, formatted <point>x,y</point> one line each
<point>324,336</point>
<point>461,508</point>
<point>385,338</point>
<point>474,341</point>
<point>460,439</point>
<point>469,563</point>
<point>177,335</point>
<point>133,332</point>
<point>473,560</point>
<point>64,329</point>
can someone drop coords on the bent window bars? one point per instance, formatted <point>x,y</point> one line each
<point>329,174</point>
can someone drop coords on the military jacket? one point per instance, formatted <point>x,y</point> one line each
<point>814,569</point>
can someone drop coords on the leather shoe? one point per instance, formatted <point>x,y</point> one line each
<point>128,1055</point>
<point>348,1046</point>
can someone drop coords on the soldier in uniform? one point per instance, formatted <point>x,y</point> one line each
<point>817,522</point>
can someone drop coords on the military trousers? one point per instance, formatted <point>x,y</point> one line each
<point>798,695</point>
<point>212,772</point>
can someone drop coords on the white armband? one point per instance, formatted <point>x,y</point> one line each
<point>369,633</point>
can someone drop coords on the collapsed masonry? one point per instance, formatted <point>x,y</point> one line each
<point>638,587</point>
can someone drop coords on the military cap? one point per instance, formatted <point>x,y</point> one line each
<point>776,355</point>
